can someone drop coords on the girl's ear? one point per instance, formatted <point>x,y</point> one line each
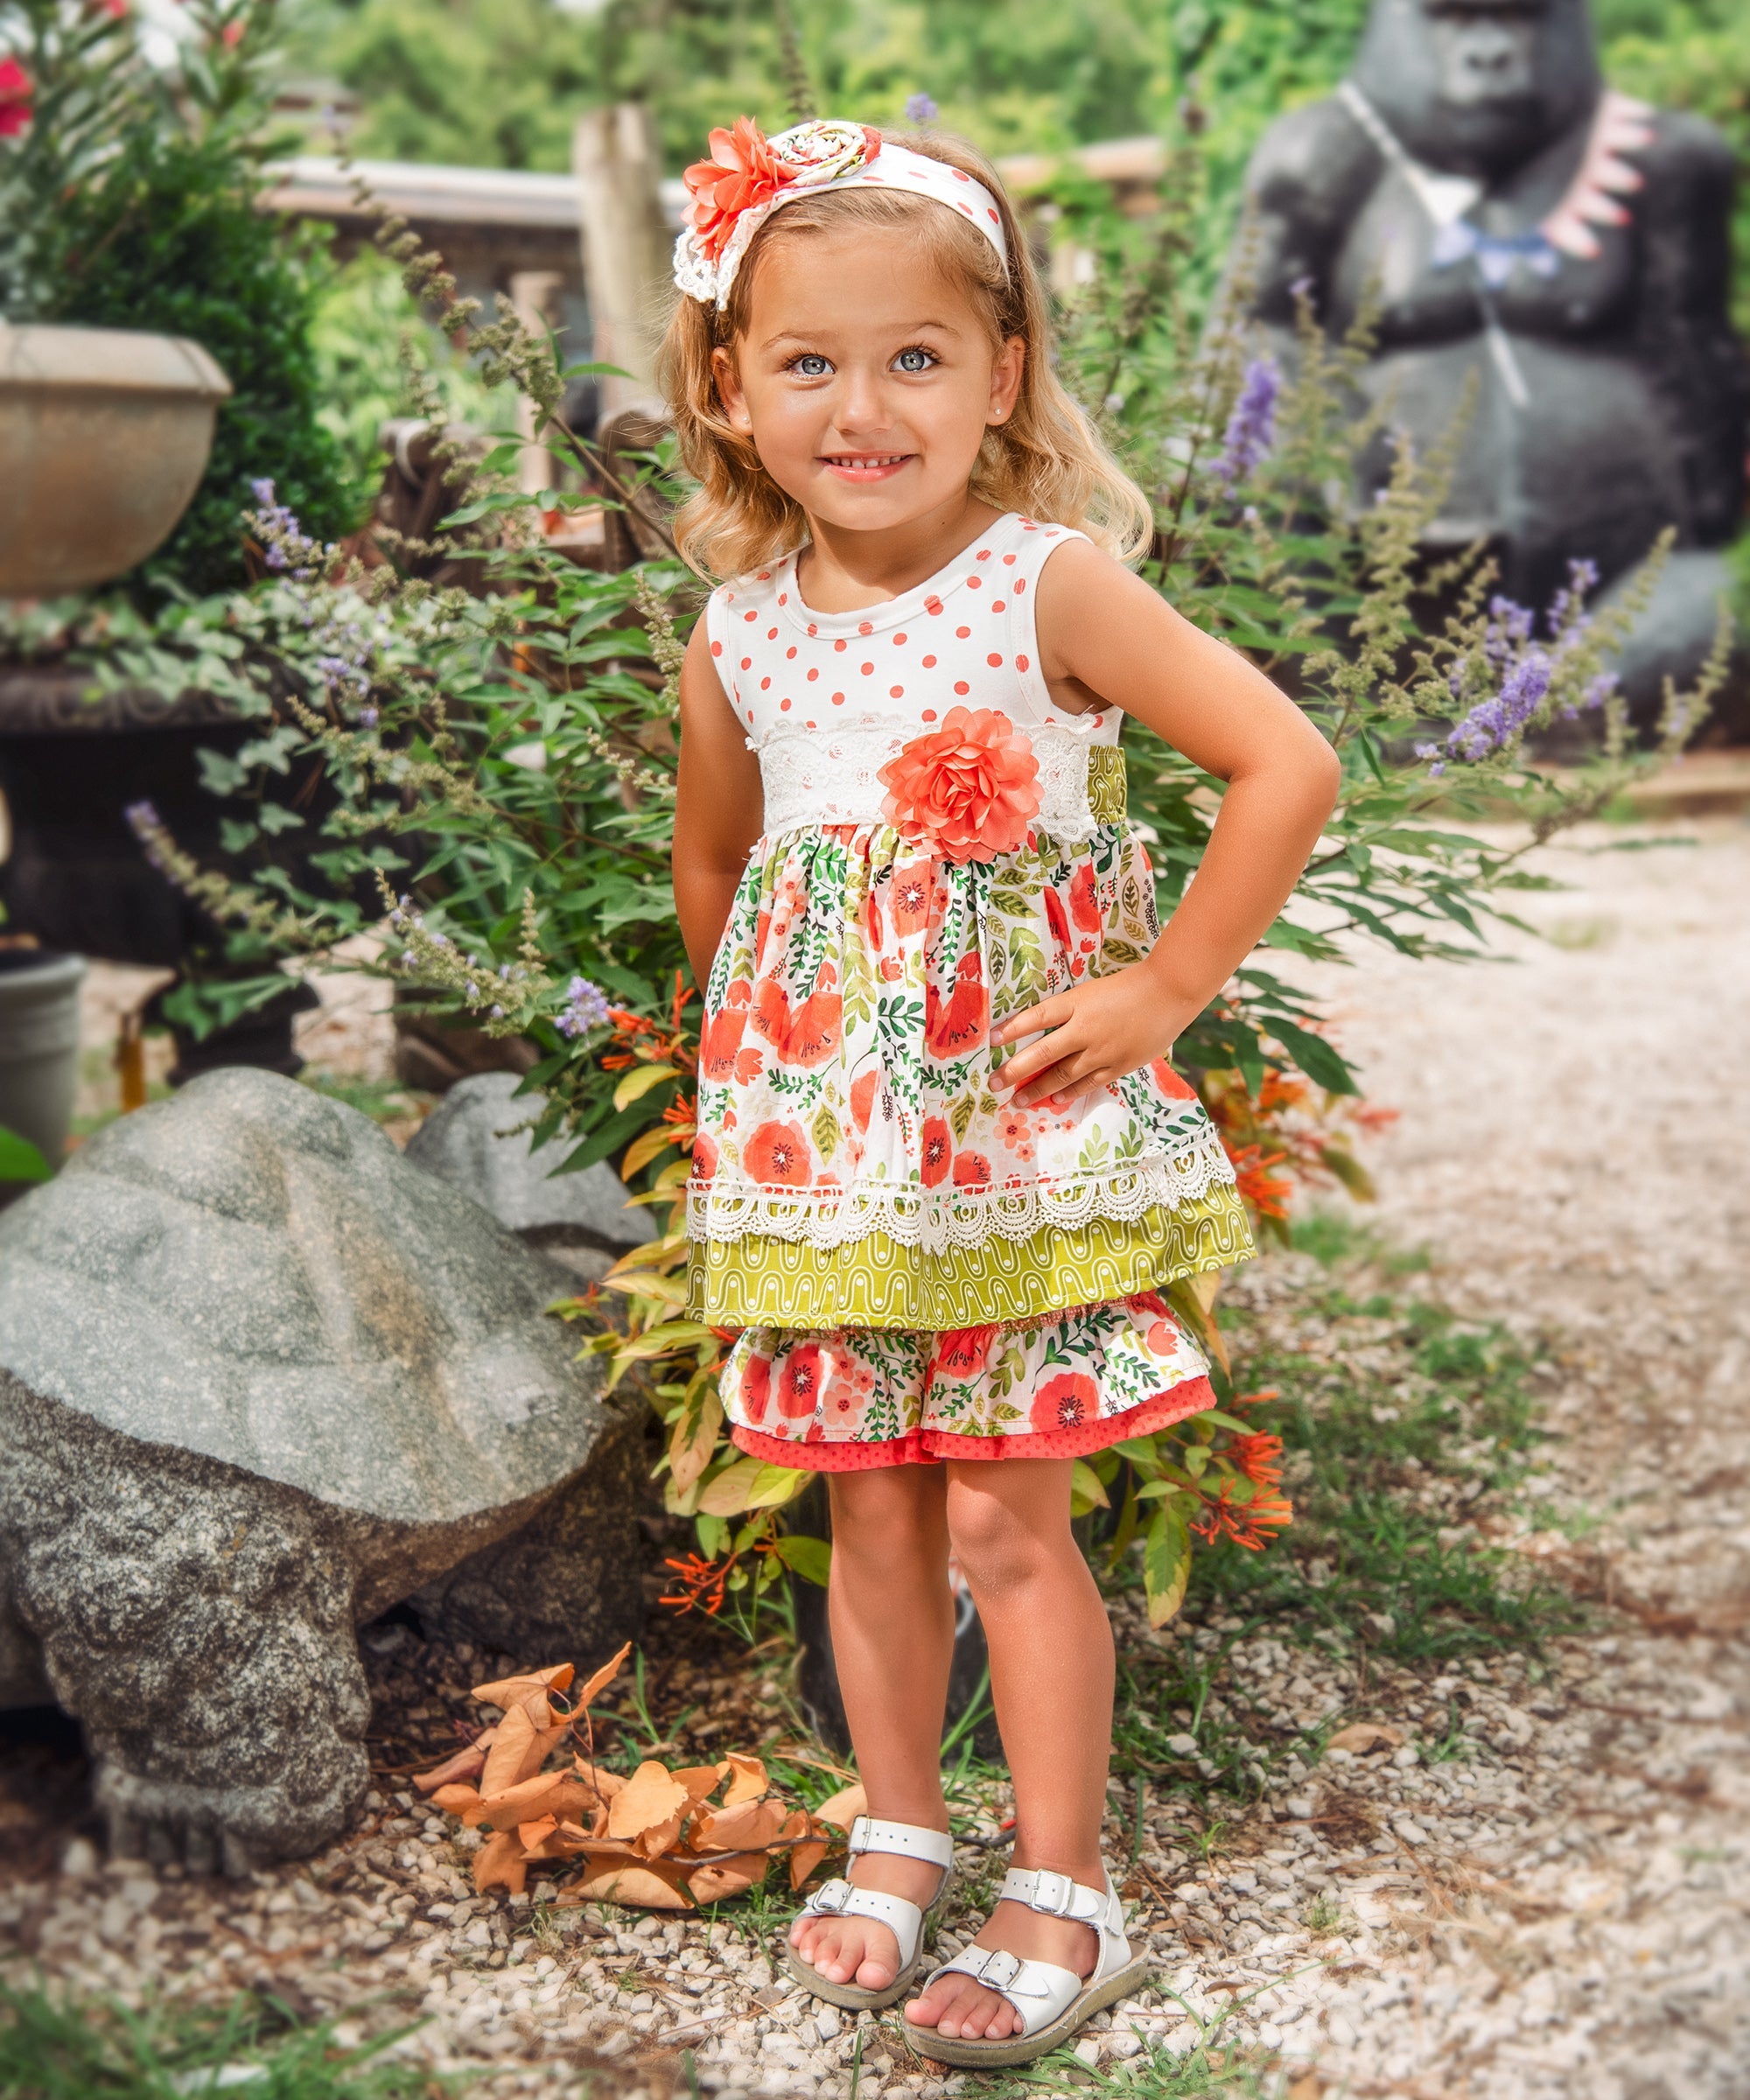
<point>729,392</point>
<point>1005,379</point>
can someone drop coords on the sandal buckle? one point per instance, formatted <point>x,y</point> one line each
<point>999,1968</point>
<point>831,1897</point>
<point>1053,1893</point>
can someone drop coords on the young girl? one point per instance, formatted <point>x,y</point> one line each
<point>944,1169</point>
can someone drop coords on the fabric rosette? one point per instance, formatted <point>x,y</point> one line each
<point>731,195</point>
<point>969,789</point>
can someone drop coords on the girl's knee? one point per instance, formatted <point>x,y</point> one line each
<point>894,1510</point>
<point>999,1544</point>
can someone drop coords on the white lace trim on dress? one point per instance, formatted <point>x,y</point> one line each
<point>829,776</point>
<point>728,1208</point>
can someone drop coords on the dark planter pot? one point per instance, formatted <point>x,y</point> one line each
<point>969,1676</point>
<point>76,876</point>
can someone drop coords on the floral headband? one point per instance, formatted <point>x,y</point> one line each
<point>748,176</point>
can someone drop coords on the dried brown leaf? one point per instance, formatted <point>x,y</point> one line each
<point>465,1764</point>
<point>720,1879</point>
<point>535,1835</point>
<point>500,1863</point>
<point>650,1797</point>
<point>1362,1736</point>
<point>750,1825</point>
<point>457,1800</point>
<point>605,1675</point>
<point>545,1794</point>
<point>606,1784</point>
<point>842,1809</point>
<point>660,1835</point>
<point>511,1692</point>
<point>517,1753</point>
<point>749,1782</point>
<point>700,1780</point>
<point>804,1858</point>
<point>640,1886</point>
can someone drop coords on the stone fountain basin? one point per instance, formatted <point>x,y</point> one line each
<point>104,436</point>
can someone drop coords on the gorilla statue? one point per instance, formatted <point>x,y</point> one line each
<point>1565,250</point>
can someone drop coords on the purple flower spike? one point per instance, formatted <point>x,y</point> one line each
<point>585,1008</point>
<point>921,110</point>
<point>1251,428</point>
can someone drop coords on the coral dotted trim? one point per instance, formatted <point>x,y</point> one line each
<point>932,1447</point>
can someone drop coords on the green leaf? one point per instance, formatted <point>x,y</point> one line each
<point>1314,1055</point>
<point>1166,1564</point>
<point>20,1160</point>
<point>811,1559</point>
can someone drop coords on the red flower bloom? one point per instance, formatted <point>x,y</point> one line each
<point>1169,1081</point>
<point>938,1151</point>
<point>756,1388</point>
<point>912,888</point>
<point>1054,917</point>
<point>704,1158</point>
<point>959,1024</point>
<point>962,1352</point>
<point>778,1152</point>
<point>806,1037</point>
<point>16,89</point>
<point>863,1098</point>
<point>1163,1339</point>
<point>722,1038</point>
<point>972,1170</point>
<point>969,787</point>
<point>742,171</point>
<point>800,1379</point>
<point>1084,904</point>
<point>1066,1402</point>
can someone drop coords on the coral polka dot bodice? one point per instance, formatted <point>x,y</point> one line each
<point>828,698</point>
<point>942,846</point>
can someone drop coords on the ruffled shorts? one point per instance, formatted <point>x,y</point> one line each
<point>1052,1387</point>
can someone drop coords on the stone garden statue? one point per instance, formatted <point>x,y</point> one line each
<point>1563,248</point>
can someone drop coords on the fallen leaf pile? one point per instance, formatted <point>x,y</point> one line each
<point>660,1840</point>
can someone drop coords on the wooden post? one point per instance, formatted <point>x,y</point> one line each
<point>535,294</point>
<point>628,247</point>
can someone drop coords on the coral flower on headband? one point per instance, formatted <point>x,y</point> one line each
<point>970,787</point>
<point>742,171</point>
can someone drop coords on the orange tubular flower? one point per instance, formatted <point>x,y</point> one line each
<point>1258,1457</point>
<point>698,1584</point>
<point>1251,1174</point>
<point>1250,1525</point>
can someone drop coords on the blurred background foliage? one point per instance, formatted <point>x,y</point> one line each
<point>497,83</point>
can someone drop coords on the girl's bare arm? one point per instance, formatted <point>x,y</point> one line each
<point>1107,639</point>
<point>719,807</point>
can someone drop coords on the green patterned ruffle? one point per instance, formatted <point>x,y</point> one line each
<point>877,1282</point>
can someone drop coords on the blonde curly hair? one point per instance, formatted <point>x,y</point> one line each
<point>1047,461</point>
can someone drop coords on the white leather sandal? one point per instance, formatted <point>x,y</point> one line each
<point>1053,2002</point>
<point>838,1898</point>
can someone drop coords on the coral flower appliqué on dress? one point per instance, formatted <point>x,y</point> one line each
<point>970,787</point>
<point>742,171</point>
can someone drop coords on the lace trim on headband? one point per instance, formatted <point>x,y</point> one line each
<point>829,777</point>
<point>727,1208</point>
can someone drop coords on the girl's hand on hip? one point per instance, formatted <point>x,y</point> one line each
<point>1095,1035</point>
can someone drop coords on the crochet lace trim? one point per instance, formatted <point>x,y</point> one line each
<point>728,1208</point>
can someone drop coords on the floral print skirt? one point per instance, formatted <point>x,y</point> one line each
<point>1052,1388</point>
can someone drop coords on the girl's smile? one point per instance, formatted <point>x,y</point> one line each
<point>870,467</point>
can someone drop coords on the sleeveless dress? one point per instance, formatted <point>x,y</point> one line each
<point>917,1268</point>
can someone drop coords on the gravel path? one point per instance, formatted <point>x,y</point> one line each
<point>1559,1910</point>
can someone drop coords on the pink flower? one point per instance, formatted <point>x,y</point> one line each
<point>16,89</point>
<point>970,788</point>
<point>742,171</point>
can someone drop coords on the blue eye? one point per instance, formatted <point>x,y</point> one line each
<point>915,361</point>
<point>811,366</point>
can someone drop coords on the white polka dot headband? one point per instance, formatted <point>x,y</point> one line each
<point>748,176</point>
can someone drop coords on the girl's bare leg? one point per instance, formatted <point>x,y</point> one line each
<point>1051,1678</point>
<point>893,1638</point>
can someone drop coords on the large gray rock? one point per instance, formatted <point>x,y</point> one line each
<point>473,1139</point>
<point>260,1378</point>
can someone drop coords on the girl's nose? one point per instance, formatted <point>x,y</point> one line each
<point>862,403</point>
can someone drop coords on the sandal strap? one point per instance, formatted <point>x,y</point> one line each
<point>1055,1895</point>
<point>838,1898</point>
<point>1038,1990</point>
<point>908,1840</point>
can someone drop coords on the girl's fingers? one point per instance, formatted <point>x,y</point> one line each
<point>1049,1014</point>
<point>1027,1065</point>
